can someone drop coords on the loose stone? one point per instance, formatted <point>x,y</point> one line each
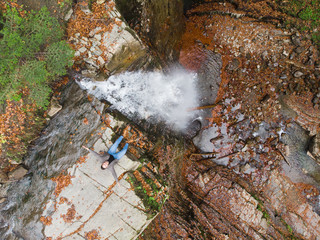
<point>234,65</point>
<point>299,50</point>
<point>98,37</point>
<point>83,49</point>
<point>18,173</point>
<point>295,40</point>
<point>101,60</point>
<point>68,15</point>
<point>284,76</point>
<point>298,74</point>
<point>54,107</point>
<point>3,176</point>
<point>292,55</point>
<point>96,51</point>
<point>264,55</point>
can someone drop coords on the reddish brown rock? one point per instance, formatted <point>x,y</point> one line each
<point>307,116</point>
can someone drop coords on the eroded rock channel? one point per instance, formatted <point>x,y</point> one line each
<point>245,167</point>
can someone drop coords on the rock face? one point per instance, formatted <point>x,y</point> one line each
<point>53,152</point>
<point>111,46</point>
<point>209,78</point>
<point>240,185</point>
<point>314,147</point>
<point>159,23</point>
<point>75,193</point>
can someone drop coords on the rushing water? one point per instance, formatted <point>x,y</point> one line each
<point>153,96</point>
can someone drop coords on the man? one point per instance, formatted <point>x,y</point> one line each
<point>110,158</point>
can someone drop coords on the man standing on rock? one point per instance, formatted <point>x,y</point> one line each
<point>110,158</point>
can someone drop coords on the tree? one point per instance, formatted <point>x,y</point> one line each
<point>32,54</point>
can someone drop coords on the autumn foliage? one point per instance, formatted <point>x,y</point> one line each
<point>82,24</point>
<point>18,127</point>
<point>62,181</point>
<point>32,56</point>
<point>93,234</point>
<point>46,220</point>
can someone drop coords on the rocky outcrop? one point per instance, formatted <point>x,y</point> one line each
<point>109,45</point>
<point>160,24</point>
<point>314,147</point>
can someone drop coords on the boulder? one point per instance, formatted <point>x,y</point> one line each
<point>298,74</point>
<point>54,107</point>
<point>18,173</point>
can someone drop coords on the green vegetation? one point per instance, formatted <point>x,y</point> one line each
<point>289,229</point>
<point>261,208</point>
<point>153,204</point>
<point>265,214</point>
<point>32,54</point>
<point>306,16</point>
<point>64,3</point>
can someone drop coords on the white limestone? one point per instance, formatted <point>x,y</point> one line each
<point>113,211</point>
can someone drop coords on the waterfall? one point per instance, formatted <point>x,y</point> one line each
<point>153,96</point>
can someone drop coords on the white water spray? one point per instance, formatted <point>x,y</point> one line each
<point>153,96</point>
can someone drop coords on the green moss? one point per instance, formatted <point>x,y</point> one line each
<point>150,203</point>
<point>305,15</point>
<point>261,208</point>
<point>289,229</point>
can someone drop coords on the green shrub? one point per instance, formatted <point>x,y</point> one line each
<point>32,54</point>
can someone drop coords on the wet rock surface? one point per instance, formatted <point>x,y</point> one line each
<point>66,194</point>
<point>209,78</point>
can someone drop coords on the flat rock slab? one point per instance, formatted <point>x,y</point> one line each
<point>93,204</point>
